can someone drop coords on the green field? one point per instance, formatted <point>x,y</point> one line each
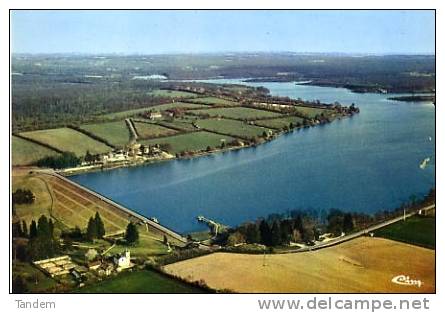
<point>183,105</point>
<point>171,94</point>
<point>150,130</point>
<point>25,152</point>
<point>69,140</point>
<point>239,113</point>
<point>30,274</point>
<point>116,133</point>
<point>214,101</point>
<point>161,107</point>
<point>280,123</point>
<point>417,230</point>
<point>190,142</point>
<point>311,112</point>
<point>140,282</point>
<point>232,127</point>
<point>182,124</point>
<point>124,114</point>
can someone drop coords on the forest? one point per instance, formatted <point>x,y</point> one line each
<point>57,90</point>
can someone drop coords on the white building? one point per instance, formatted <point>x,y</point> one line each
<point>154,115</point>
<point>123,261</point>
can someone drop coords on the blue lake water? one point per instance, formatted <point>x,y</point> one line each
<point>365,163</point>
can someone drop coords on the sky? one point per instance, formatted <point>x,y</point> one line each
<point>157,32</point>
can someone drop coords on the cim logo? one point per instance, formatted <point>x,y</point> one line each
<point>405,280</point>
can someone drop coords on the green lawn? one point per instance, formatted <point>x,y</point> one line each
<point>69,140</point>
<point>31,274</point>
<point>151,130</point>
<point>311,112</point>
<point>171,94</point>
<point>181,124</point>
<point>190,142</point>
<point>124,114</point>
<point>239,113</point>
<point>232,127</point>
<point>140,282</point>
<point>417,230</point>
<point>25,152</point>
<point>280,123</point>
<point>214,101</point>
<point>116,133</point>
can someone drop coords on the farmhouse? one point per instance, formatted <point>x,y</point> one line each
<point>122,261</point>
<point>154,115</point>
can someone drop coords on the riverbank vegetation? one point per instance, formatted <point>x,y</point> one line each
<point>415,98</point>
<point>308,227</point>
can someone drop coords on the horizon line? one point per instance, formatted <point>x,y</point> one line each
<point>226,52</point>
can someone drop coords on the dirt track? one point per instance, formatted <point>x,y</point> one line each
<point>360,265</point>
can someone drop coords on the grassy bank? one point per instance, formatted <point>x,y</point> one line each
<point>416,230</point>
<point>140,282</point>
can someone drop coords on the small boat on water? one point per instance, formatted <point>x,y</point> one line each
<point>424,163</point>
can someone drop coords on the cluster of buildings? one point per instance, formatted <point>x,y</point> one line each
<point>95,265</point>
<point>56,266</point>
<point>105,267</point>
<point>134,150</point>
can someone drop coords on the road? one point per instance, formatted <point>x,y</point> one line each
<point>134,135</point>
<point>365,231</point>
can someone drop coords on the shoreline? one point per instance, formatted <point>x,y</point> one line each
<point>126,164</point>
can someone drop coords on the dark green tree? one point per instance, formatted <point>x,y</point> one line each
<point>89,157</point>
<point>17,229</point>
<point>275,234</point>
<point>131,234</point>
<point>91,229</point>
<point>19,285</point>
<point>42,245</point>
<point>24,228</point>
<point>265,233</point>
<point>51,228</point>
<point>348,223</point>
<point>100,227</point>
<point>286,231</point>
<point>252,233</point>
<point>33,230</point>
<point>43,227</point>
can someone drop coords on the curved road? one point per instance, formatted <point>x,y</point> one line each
<point>360,233</point>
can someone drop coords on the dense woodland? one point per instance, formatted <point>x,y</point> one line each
<point>57,90</point>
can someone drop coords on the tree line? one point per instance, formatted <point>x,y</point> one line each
<point>65,160</point>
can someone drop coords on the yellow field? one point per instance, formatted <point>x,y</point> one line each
<point>361,265</point>
<point>71,206</point>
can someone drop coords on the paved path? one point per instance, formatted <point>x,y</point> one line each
<point>368,230</point>
<point>134,134</point>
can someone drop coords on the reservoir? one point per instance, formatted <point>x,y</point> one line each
<point>366,163</point>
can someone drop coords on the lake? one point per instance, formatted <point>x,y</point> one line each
<point>365,163</point>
